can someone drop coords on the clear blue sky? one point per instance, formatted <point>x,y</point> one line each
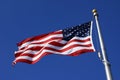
<point>20,19</point>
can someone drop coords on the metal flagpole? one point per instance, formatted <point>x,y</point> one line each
<point>104,55</point>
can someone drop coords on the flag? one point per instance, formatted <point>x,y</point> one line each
<point>71,41</point>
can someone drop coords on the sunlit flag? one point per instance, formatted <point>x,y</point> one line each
<point>71,41</point>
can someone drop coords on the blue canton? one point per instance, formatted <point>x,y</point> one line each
<point>82,30</point>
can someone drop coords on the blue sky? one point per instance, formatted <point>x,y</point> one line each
<point>20,19</point>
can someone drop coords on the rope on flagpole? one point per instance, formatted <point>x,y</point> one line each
<point>103,55</point>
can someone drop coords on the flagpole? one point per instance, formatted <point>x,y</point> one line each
<point>104,55</point>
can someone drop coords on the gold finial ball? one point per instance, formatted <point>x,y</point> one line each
<point>94,11</point>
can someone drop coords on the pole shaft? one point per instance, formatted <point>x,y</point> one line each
<point>104,55</point>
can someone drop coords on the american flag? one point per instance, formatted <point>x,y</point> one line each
<point>71,41</point>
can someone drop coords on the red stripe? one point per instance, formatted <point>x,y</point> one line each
<point>81,52</point>
<point>31,62</point>
<point>44,54</point>
<point>36,48</point>
<point>38,37</point>
<point>51,39</point>
<point>49,48</point>
<point>31,38</point>
<point>56,43</point>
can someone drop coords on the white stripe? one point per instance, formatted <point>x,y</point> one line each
<point>24,45</point>
<point>30,52</point>
<point>41,40</point>
<point>62,42</point>
<point>52,46</point>
<point>68,52</point>
<point>81,38</point>
<point>70,44</point>
<point>51,36</point>
<point>39,45</point>
<point>48,37</point>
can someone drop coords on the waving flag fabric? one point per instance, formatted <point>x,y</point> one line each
<point>71,41</point>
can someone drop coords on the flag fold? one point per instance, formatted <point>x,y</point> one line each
<point>71,41</point>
